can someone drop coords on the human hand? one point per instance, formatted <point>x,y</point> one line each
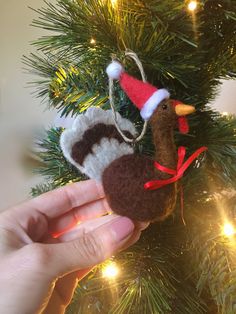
<point>44,251</point>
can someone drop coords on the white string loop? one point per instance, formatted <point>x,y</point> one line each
<point>133,56</point>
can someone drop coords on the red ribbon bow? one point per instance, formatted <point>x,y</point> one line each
<point>177,174</point>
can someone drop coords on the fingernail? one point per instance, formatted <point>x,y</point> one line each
<point>122,228</point>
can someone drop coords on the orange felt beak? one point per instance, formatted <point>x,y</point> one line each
<point>184,110</point>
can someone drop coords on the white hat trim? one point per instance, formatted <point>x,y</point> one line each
<point>152,103</point>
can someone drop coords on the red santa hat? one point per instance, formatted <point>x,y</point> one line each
<point>144,95</point>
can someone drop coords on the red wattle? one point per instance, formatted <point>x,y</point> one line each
<point>183,125</point>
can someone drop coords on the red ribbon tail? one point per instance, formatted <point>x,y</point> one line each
<point>182,204</point>
<point>181,168</point>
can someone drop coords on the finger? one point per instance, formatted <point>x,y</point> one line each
<point>132,240</point>
<point>69,220</point>
<point>86,227</point>
<point>60,201</point>
<point>62,294</point>
<point>83,273</point>
<point>89,226</point>
<point>88,250</point>
<point>63,291</point>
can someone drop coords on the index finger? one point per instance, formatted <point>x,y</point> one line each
<point>57,202</point>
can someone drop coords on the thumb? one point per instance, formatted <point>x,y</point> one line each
<point>90,248</point>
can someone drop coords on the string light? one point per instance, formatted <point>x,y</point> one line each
<point>113,2</point>
<point>56,94</point>
<point>228,230</point>
<point>192,6</point>
<point>110,271</point>
<point>93,41</point>
<point>225,114</point>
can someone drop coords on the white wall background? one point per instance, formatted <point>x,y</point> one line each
<point>226,101</point>
<point>20,113</point>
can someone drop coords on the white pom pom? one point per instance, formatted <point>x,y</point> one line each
<point>114,70</point>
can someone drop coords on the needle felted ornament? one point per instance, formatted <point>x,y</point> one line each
<point>135,186</point>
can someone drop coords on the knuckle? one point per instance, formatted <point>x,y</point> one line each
<point>92,248</point>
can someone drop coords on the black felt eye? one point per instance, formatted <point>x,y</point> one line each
<point>164,107</point>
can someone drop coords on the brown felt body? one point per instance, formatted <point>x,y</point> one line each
<point>124,179</point>
<point>123,182</point>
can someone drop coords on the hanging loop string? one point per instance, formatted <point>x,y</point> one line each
<point>133,56</point>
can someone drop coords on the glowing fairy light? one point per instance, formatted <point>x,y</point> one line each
<point>110,271</point>
<point>92,41</point>
<point>225,114</point>
<point>228,230</point>
<point>114,3</point>
<point>192,6</point>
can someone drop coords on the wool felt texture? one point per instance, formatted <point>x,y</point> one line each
<point>145,96</point>
<point>114,70</point>
<point>163,122</point>
<point>95,146</point>
<point>182,121</point>
<point>131,172</point>
<point>101,150</point>
<point>151,104</point>
<point>183,125</point>
<point>123,183</point>
<point>93,136</point>
<point>124,179</point>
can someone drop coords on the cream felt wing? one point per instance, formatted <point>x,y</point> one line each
<point>93,142</point>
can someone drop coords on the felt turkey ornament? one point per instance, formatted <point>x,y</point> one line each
<point>135,185</point>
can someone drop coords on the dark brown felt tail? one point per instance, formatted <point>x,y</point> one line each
<point>84,147</point>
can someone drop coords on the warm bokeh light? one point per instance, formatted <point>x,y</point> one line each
<point>113,2</point>
<point>225,114</point>
<point>92,41</point>
<point>192,6</point>
<point>228,230</point>
<point>110,271</point>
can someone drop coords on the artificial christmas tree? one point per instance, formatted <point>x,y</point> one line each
<point>174,268</point>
